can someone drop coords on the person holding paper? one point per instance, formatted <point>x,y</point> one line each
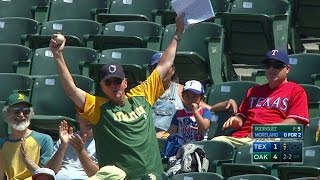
<point>122,121</point>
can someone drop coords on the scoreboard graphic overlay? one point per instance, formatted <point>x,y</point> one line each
<point>277,144</point>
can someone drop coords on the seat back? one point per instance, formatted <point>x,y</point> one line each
<point>216,151</point>
<point>128,34</point>
<point>20,8</point>
<point>10,54</point>
<point>267,7</point>
<point>198,176</point>
<point>49,98</point>
<point>313,94</point>
<point>77,59</point>
<point>12,29</point>
<point>73,29</point>
<point>236,90</point>
<point>311,157</point>
<point>3,124</point>
<point>78,9</point>
<point>253,177</point>
<point>309,133</point>
<point>14,82</point>
<point>141,7</point>
<point>303,66</point>
<point>244,155</point>
<point>194,50</point>
<point>223,91</point>
<point>143,29</point>
<point>194,39</point>
<point>140,56</point>
<point>249,22</point>
<point>303,14</point>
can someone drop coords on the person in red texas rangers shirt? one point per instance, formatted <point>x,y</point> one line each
<point>277,102</point>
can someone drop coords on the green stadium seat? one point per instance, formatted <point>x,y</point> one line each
<point>75,30</point>
<point>200,49</point>
<point>138,56</point>
<point>133,10</point>
<point>309,136</point>
<point>252,28</point>
<point>14,82</point>
<point>77,60</point>
<point>313,93</point>
<point>127,34</point>
<point>14,29</point>
<point>304,29</point>
<point>52,105</point>
<point>11,55</point>
<point>223,91</point>
<point>309,168</point>
<point>197,176</point>
<point>217,152</point>
<point>253,177</point>
<point>243,164</point>
<point>3,124</point>
<point>77,9</point>
<point>304,68</point>
<point>21,8</point>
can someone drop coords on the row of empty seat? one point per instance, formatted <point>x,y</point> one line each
<point>228,161</point>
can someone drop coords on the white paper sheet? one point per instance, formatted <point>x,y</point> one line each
<point>195,10</point>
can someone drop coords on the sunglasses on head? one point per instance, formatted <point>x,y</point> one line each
<point>115,81</point>
<point>277,65</point>
<point>25,111</point>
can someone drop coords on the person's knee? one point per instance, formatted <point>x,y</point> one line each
<point>109,172</point>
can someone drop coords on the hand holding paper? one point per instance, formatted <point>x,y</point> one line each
<point>195,10</point>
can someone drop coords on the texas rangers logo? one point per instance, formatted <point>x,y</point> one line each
<point>112,68</point>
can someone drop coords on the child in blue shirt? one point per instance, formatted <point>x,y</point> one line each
<point>192,122</point>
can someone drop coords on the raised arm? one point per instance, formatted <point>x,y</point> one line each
<point>78,144</point>
<point>77,95</point>
<point>56,160</point>
<point>166,60</point>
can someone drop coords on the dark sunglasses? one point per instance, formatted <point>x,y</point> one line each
<point>25,111</point>
<point>116,81</point>
<point>274,65</point>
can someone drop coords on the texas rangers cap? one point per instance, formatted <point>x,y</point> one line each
<point>155,58</point>
<point>194,86</point>
<point>276,55</point>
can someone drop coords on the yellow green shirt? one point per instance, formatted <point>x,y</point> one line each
<point>125,135</point>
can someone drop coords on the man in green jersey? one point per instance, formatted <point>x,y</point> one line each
<point>123,129</point>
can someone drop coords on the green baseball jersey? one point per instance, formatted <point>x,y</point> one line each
<point>125,135</point>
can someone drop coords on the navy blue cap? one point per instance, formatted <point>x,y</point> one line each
<point>155,58</point>
<point>110,70</point>
<point>277,55</point>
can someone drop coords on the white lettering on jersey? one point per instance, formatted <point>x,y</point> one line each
<point>133,115</point>
<point>279,103</point>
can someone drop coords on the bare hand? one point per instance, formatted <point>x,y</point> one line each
<point>180,25</point>
<point>194,106</point>
<point>233,122</point>
<point>23,152</point>
<point>233,104</point>
<point>65,132</point>
<point>78,142</point>
<point>56,48</point>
